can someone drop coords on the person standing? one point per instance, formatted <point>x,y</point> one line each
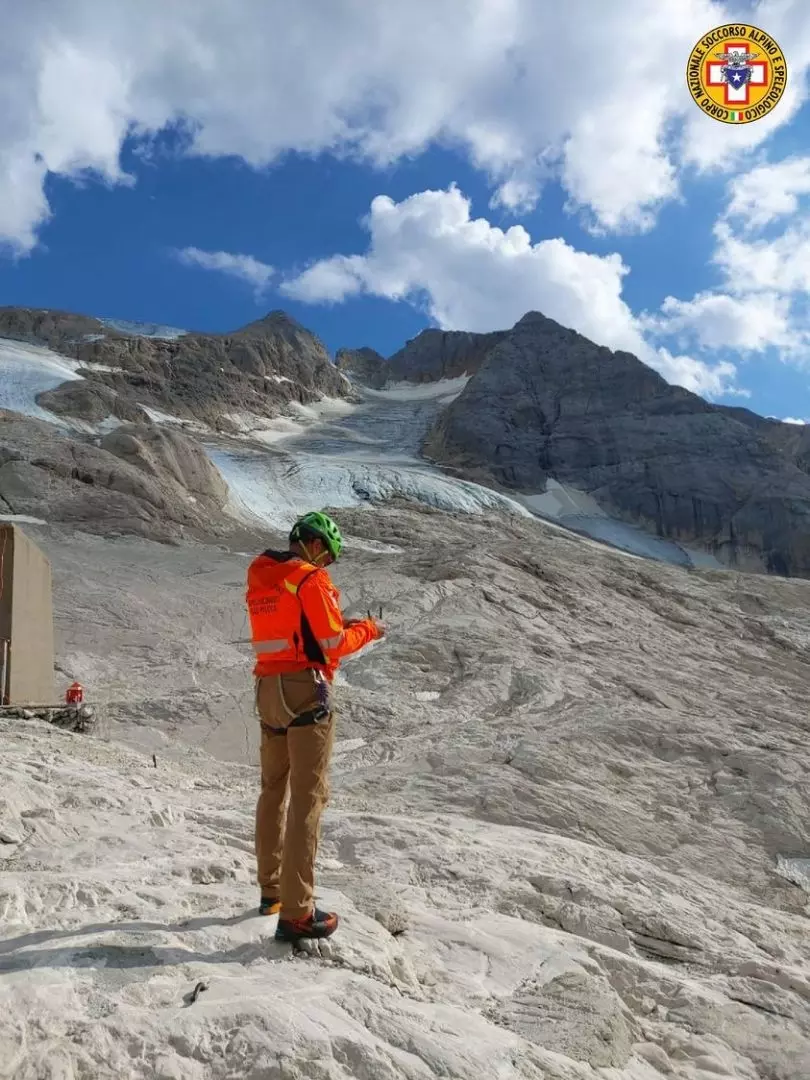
<point>299,637</point>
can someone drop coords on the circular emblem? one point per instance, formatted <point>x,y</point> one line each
<point>736,73</point>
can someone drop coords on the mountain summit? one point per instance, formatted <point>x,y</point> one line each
<point>548,403</point>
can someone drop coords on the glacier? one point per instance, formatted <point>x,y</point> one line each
<point>370,453</point>
<point>341,454</point>
<point>28,370</point>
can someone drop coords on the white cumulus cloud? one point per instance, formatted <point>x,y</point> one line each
<point>588,91</point>
<point>762,254</point>
<point>769,191</point>
<point>709,380</point>
<point>243,267</point>
<point>718,321</point>
<point>752,264</point>
<point>472,275</point>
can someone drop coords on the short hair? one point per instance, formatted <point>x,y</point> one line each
<point>303,532</point>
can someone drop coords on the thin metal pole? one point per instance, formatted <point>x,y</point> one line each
<point>4,673</point>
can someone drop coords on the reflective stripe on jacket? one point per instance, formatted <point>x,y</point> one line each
<point>295,617</point>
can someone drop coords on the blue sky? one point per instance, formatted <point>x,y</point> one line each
<point>614,203</point>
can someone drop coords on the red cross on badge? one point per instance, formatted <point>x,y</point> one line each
<point>736,80</point>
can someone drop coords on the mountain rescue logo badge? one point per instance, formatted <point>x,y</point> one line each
<point>736,73</point>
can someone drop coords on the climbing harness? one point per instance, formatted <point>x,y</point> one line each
<point>316,715</point>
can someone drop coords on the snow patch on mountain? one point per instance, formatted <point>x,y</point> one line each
<point>104,368</point>
<point>576,510</point>
<point>295,419</point>
<point>29,370</point>
<point>147,330</point>
<point>157,416</point>
<point>444,390</point>
<point>26,371</point>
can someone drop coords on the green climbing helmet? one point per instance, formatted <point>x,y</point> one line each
<point>320,525</point>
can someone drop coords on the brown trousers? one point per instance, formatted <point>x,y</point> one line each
<point>294,764</point>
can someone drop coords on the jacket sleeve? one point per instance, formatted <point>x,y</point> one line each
<point>320,601</point>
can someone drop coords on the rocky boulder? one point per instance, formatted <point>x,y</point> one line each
<point>547,402</point>
<point>90,401</point>
<point>164,453</point>
<point>139,480</point>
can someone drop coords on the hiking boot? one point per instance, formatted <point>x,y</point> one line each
<point>269,905</point>
<point>319,924</point>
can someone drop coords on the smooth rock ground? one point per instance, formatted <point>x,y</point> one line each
<point>563,789</point>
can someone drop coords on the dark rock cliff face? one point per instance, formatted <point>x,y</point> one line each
<point>204,377</point>
<point>791,440</point>
<point>547,402</point>
<point>442,354</point>
<point>429,357</point>
<point>364,365</point>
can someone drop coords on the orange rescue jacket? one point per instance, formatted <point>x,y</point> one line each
<point>295,617</point>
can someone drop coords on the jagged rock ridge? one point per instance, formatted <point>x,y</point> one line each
<point>430,356</point>
<point>206,377</point>
<point>442,354</point>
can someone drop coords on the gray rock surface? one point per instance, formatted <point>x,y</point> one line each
<point>430,356</point>
<point>162,453</point>
<point>258,369</point>
<point>549,403</point>
<point>791,440</point>
<point>442,354</point>
<point>578,773</point>
<point>365,365</point>
<point>81,719</point>
<point>140,480</point>
<point>44,326</point>
<point>92,401</point>
<point>577,1014</point>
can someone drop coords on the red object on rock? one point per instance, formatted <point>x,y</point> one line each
<point>75,694</point>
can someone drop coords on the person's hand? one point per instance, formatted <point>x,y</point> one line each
<point>380,627</point>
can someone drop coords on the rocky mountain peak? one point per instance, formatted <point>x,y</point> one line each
<point>547,403</point>
<point>538,319</point>
<point>274,323</point>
